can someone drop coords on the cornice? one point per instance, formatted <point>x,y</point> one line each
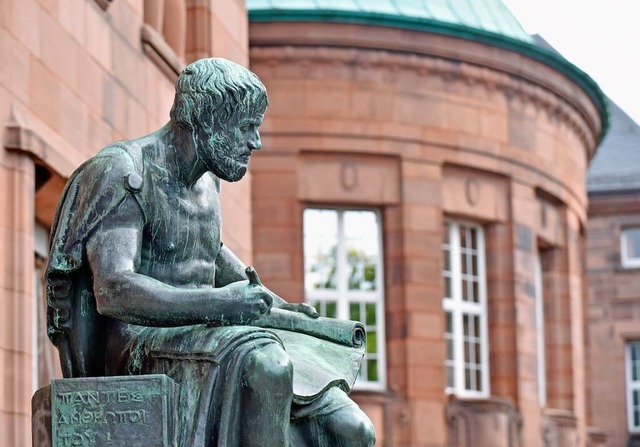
<point>524,59</point>
<point>20,136</point>
<point>519,91</point>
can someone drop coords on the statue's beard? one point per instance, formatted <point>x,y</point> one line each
<point>222,158</point>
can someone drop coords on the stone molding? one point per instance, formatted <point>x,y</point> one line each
<point>596,437</point>
<point>20,136</point>
<point>559,428</point>
<point>520,91</point>
<point>160,52</point>
<point>465,418</point>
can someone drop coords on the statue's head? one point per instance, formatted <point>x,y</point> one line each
<point>221,104</point>
<point>209,92</point>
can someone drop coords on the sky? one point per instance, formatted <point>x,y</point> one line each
<point>601,37</point>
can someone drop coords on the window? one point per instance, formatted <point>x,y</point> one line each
<point>464,304</point>
<point>633,386</point>
<point>540,337</point>
<point>630,247</point>
<point>343,277</point>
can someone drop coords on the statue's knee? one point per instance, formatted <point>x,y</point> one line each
<point>267,368</point>
<point>364,434</point>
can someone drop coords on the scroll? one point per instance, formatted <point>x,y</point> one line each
<point>344,332</point>
<point>324,352</point>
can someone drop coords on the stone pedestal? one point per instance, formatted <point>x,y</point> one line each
<point>123,411</point>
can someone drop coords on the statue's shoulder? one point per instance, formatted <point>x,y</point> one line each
<point>119,162</point>
<point>92,192</point>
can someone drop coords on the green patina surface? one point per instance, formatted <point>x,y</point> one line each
<point>487,15</point>
<point>485,21</point>
<point>122,411</point>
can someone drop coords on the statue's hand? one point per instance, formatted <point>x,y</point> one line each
<point>303,308</point>
<point>246,302</point>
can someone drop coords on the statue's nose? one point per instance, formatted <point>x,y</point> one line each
<point>255,143</point>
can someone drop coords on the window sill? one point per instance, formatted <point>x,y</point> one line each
<point>160,52</point>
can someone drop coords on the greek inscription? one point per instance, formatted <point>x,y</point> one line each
<point>108,417</point>
<point>81,439</point>
<point>90,397</point>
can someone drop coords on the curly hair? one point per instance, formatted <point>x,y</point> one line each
<point>213,90</point>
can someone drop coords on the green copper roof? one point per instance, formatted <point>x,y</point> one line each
<point>486,15</point>
<point>485,21</point>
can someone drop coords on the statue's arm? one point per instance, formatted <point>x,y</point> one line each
<point>114,252</point>
<point>229,268</point>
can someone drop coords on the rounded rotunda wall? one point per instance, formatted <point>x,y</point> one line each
<point>441,99</point>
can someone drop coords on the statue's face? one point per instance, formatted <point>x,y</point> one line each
<point>228,150</point>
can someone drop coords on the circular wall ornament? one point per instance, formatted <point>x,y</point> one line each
<point>472,190</point>
<point>349,176</point>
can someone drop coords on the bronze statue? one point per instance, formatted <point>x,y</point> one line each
<point>139,282</point>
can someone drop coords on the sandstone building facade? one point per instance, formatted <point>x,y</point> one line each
<point>423,171</point>
<point>613,239</point>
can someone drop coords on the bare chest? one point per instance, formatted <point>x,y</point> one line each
<point>182,234</point>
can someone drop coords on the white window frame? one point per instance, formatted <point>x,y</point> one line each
<point>458,308</point>
<point>626,259</point>
<point>631,385</point>
<point>343,296</point>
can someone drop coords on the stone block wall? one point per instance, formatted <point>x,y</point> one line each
<point>614,310</point>
<point>76,75</point>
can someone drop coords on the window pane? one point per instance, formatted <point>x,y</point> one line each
<point>447,287</point>
<point>362,249</point>
<point>354,312</point>
<point>372,370</point>
<point>465,290</point>
<point>448,322</point>
<point>372,342</point>
<point>320,249</point>
<point>449,349</point>
<point>632,240</point>
<point>447,259</point>
<point>450,377</point>
<point>371,314</point>
<point>331,309</point>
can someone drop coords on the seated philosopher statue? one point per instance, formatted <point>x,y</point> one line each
<point>139,282</point>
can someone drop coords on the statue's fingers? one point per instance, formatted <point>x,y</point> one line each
<point>309,310</point>
<point>268,299</point>
<point>252,275</point>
